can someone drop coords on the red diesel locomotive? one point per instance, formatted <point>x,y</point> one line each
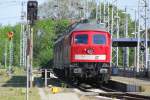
<point>83,52</point>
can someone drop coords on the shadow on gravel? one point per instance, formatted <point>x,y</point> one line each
<point>144,79</point>
<point>55,82</point>
<point>15,81</point>
<point>52,81</point>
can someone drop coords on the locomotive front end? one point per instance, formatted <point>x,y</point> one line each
<point>90,54</point>
<point>83,52</point>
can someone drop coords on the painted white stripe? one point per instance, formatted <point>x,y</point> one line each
<point>90,57</point>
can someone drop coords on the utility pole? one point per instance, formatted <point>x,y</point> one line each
<point>85,9</point>
<point>6,54</point>
<point>22,37</point>
<point>27,72</point>
<point>25,47</point>
<point>31,55</point>
<point>21,48</point>
<point>112,29</point>
<point>138,36</point>
<point>32,9</point>
<point>126,35</point>
<point>10,56</point>
<point>114,21</point>
<point>97,3</point>
<point>143,8</point>
<point>135,33</point>
<point>146,35</point>
<point>108,18</point>
<point>100,11</point>
<point>117,49</point>
<point>10,36</point>
<point>104,11</point>
<point>58,9</point>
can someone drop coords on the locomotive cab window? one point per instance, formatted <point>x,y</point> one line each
<point>99,39</point>
<point>81,39</point>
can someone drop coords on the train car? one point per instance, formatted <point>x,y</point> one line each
<point>83,52</point>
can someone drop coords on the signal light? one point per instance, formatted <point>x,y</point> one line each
<point>32,10</point>
<point>10,35</point>
<point>142,48</point>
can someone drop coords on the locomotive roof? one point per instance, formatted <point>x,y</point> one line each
<point>82,26</point>
<point>90,26</point>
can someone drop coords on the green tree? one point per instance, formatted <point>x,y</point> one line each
<point>45,32</point>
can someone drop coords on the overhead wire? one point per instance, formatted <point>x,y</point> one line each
<point>13,1</point>
<point>14,17</point>
<point>5,3</point>
<point>10,4</point>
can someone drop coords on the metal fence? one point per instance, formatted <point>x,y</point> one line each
<point>129,72</point>
<point>46,74</point>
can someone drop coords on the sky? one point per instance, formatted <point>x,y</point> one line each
<point>130,5</point>
<point>10,10</point>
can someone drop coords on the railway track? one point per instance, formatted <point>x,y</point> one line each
<point>125,96</point>
<point>112,93</point>
<point>104,91</point>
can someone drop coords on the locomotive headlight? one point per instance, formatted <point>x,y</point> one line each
<point>90,51</point>
<point>103,71</point>
<point>77,70</point>
<point>105,65</point>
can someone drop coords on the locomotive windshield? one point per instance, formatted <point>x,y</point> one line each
<point>81,39</point>
<point>99,39</point>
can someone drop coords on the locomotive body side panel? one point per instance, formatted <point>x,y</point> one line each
<point>62,53</point>
<point>66,52</point>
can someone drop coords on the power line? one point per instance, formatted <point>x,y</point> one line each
<point>7,18</point>
<point>9,6</point>
<point>8,2</point>
<point>13,1</point>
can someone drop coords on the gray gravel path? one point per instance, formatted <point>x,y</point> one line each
<point>63,96</point>
<point>42,94</point>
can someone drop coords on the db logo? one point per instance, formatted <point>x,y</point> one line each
<point>96,57</point>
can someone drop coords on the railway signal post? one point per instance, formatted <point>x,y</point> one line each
<point>10,38</point>
<point>32,7</point>
<point>22,38</point>
<point>6,54</point>
<point>142,53</point>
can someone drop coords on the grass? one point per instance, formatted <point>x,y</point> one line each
<point>11,93</point>
<point>4,77</point>
<point>13,88</point>
<point>145,90</point>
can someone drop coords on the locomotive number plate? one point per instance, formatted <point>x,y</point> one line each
<point>90,57</point>
<point>96,57</point>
